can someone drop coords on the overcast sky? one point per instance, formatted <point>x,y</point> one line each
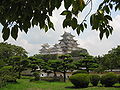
<point>89,39</point>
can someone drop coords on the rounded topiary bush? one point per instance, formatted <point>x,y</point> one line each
<point>80,80</point>
<point>118,78</point>
<point>108,80</point>
<point>94,79</point>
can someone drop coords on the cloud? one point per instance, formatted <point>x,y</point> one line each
<point>88,39</point>
<point>94,45</point>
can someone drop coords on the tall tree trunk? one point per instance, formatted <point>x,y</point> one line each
<point>55,75</point>
<point>19,74</point>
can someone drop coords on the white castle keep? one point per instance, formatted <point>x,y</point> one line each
<point>65,45</point>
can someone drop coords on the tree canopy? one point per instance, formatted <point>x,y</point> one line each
<point>21,15</point>
<point>8,50</point>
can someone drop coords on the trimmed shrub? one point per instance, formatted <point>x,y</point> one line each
<point>80,71</point>
<point>36,75</point>
<point>108,80</point>
<point>94,79</point>
<point>80,80</point>
<point>118,78</point>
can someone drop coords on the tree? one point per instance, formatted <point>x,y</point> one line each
<point>33,63</point>
<point>18,64</point>
<point>115,52</point>
<point>77,53</point>
<point>66,64</point>
<point>8,50</point>
<point>55,66</point>
<point>46,57</point>
<point>24,14</point>
<point>112,59</point>
<point>88,62</point>
<point>109,61</point>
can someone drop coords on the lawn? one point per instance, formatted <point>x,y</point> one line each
<point>24,84</point>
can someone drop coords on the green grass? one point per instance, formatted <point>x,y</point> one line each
<point>24,84</point>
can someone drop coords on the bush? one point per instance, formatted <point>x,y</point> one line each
<point>80,80</point>
<point>108,79</point>
<point>118,78</point>
<point>94,79</point>
<point>36,75</point>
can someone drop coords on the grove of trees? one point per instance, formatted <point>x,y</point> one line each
<point>14,60</point>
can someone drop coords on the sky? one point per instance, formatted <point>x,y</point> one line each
<point>89,39</point>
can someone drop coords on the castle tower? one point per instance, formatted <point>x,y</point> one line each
<point>65,45</point>
<point>68,44</point>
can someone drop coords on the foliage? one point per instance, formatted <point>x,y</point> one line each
<point>100,20</point>
<point>101,68</point>
<point>109,61</point>
<point>36,75</point>
<point>118,78</point>
<point>46,57</point>
<point>88,62</point>
<point>7,75</point>
<point>55,66</point>
<point>108,79</point>
<point>19,64</point>
<point>77,53</point>
<point>35,63</point>
<point>8,50</point>
<point>94,79</point>
<point>79,71</point>
<point>66,64</point>
<point>24,14</point>
<point>80,80</point>
<point>115,56</point>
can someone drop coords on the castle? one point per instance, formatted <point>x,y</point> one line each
<point>66,45</point>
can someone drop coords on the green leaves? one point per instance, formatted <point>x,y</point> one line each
<point>36,12</point>
<point>66,12</point>
<point>108,17</point>
<point>14,32</point>
<point>6,33</point>
<point>67,3</point>
<point>100,22</point>
<point>74,23</point>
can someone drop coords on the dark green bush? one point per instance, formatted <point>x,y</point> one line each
<point>108,80</point>
<point>118,78</point>
<point>36,75</point>
<point>94,79</point>
<point>80,80</point>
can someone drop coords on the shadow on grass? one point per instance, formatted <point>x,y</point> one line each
<point>73,87</point>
